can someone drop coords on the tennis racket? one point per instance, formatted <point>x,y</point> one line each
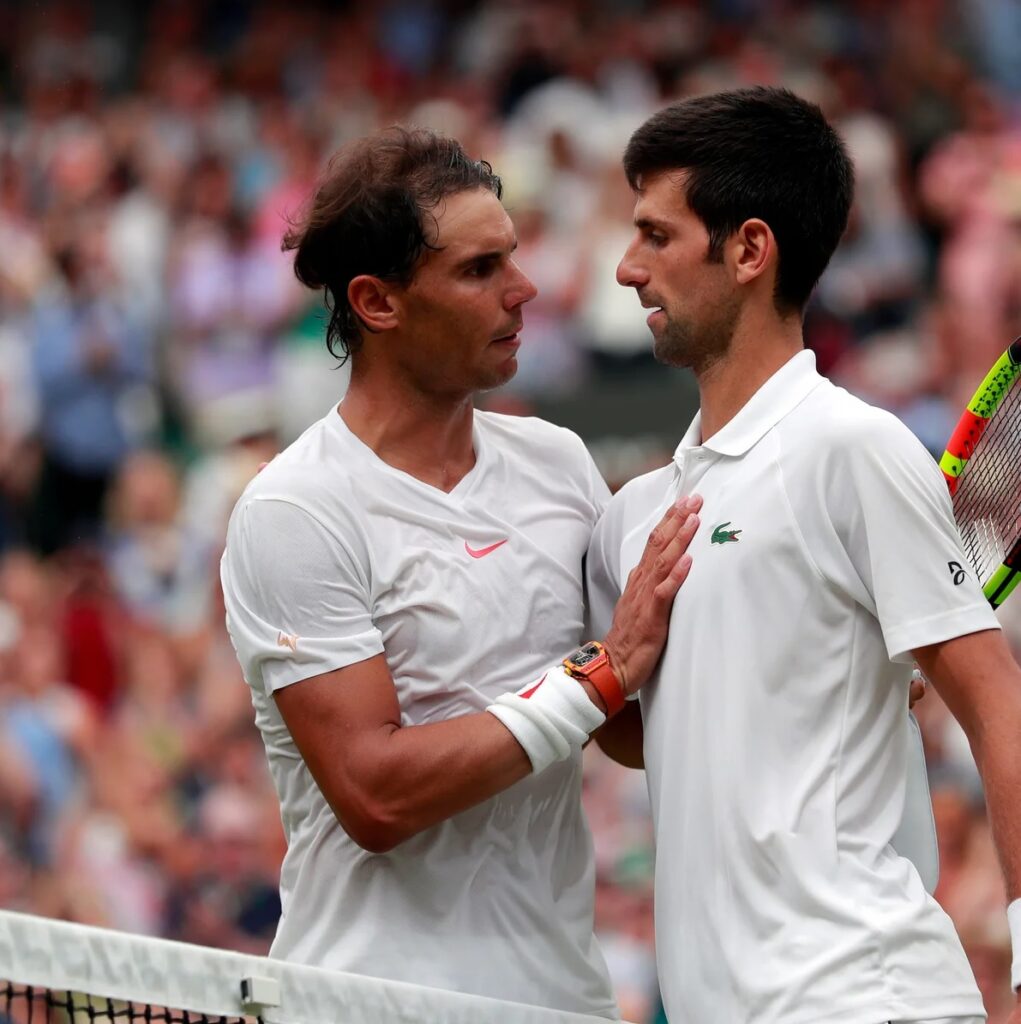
<point>983,471</point>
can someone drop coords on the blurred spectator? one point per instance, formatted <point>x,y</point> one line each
<point>52,728</point>
<point>971,186</point>
<point>232,901</point>
<point>611,318</point>
<point>93,369</point>
<point>159,567</point>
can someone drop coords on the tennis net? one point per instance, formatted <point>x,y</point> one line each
<point>54,972</point>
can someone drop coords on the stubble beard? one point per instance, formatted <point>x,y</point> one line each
<point>696,346</point>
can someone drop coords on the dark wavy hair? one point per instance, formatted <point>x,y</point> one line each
<point>369,216</point>
<point>760,152</point>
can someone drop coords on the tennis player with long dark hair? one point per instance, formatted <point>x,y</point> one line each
<point>401,585</point>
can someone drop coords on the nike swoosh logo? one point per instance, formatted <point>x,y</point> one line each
<point>287,640</point>
<point>482,552</point>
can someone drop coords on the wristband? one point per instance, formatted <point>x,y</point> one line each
<point>1014,919</point>
<point>551,719</point>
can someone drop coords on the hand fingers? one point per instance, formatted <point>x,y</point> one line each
<point>667,527</point>
<point>917,689</point>
<point>672,522</point>
<point>667,589</point>
<point>680,541</point>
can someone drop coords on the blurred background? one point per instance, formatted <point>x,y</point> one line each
<point>155,349</point>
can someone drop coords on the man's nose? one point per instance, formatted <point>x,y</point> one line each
<point>521,291</point>
<point>630,273</point>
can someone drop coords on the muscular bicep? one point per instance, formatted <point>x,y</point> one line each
<point>340,722</point>
<point>386,782</point>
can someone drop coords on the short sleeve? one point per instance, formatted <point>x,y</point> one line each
<point>582,468</point>
<point>891,510</point>
<point>600,493</point>
<point>297,599</point>
<point>602,573</point>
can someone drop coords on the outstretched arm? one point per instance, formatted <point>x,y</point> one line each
<point>387,782</point>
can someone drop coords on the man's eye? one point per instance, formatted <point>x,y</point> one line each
<point>480,269</point>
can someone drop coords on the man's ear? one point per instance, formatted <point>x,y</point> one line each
<point>371,300</point>
<point>752,250</point>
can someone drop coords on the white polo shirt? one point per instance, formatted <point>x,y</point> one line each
<point>776,729</point>
<point>333,557</point>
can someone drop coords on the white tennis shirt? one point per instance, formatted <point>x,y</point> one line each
<point>332,557</point>
<point>776,728</point>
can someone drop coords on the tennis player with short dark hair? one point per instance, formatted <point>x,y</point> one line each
<point>775,738</point>
<point>401,584</point>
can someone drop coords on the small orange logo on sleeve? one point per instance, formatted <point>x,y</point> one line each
<point>286,640</point>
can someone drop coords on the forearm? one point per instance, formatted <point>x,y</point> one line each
<point>622,737</point>
<point>996,746</point>
<point>980,683</point>
<point>411,778</point>
<point>392,782</point>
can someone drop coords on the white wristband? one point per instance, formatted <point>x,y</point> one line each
<point>1014,918</point>
<point>551,719</point>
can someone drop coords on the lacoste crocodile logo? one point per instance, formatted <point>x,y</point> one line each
<point>721,535</point>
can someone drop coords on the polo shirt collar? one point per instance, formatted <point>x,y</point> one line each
<point>783,392</point>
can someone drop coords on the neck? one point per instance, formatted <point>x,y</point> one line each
<point>756,353</point>
<point>426,436</point>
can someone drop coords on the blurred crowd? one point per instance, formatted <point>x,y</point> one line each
<point>155,349</point>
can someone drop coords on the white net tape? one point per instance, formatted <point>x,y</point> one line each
<point>60,956</point>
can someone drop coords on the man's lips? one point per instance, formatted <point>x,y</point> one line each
<point>508,339</point>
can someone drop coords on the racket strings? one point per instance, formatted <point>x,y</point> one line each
<point>987,503</point>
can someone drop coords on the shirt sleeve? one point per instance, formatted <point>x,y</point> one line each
<point>597,486</point>
<point>583,468</point>
<point>602,573</point>
<point>890,508</point>
<point>297,598</point>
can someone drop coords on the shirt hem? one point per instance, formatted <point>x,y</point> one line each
<point>280,676</point>
<point>948,625</point>
<point>964,1007</point>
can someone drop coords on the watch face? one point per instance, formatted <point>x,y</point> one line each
<point>584,655</point>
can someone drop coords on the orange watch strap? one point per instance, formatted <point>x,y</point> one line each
<point>605,680</point>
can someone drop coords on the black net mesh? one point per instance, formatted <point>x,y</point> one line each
<point>987,503</point>
<point>27,1004</point>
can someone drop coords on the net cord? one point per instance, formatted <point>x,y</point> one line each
<point>60,955</point>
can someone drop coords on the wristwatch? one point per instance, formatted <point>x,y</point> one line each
<point>591,662</point>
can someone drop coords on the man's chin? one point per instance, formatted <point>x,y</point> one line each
<point>497,377</point>
<point>669,355</point>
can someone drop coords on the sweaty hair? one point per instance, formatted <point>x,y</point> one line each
<point>369,216</point>
<point>762,153</point>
